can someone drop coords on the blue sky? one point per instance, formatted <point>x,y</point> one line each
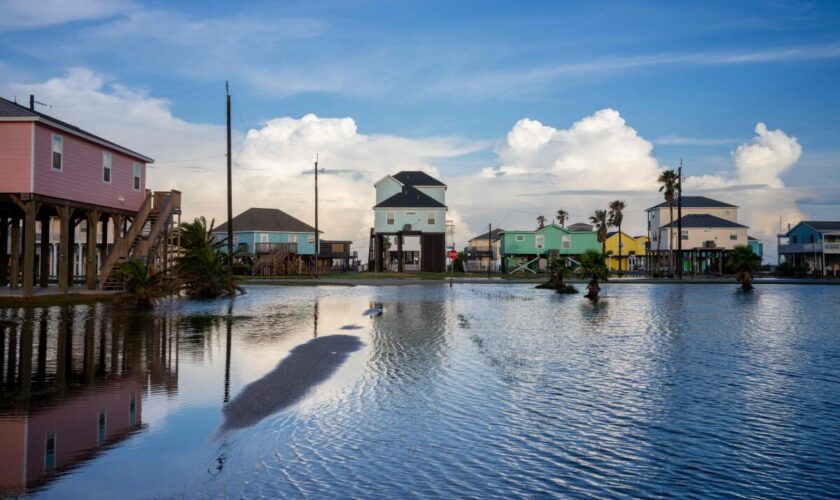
<point>691,78</point>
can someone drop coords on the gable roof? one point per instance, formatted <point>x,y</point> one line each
<point>695,202</point>
<point>494,235</point>
<point>416,178</point>
<point>823,225</point>
<point>410,197</point>
<point>266,219</point>
<point>703,220</point>
<point>610,234</point>
<point>14,112</point>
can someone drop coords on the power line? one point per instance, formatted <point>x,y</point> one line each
<point>190,159</point>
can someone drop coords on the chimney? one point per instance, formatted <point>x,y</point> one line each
<point>32,102</point>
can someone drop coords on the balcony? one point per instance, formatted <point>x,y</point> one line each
<point>830,248</point>
<point>263,248</point>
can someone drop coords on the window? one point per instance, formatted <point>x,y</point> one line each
<point>389,218</point>
<point>311,239</point>
<point>106,167</point>
<point>733,236</point>
<point>812,238</point>
<point>430,218</point>
<point>566,242</point>
<point>685,234</point>
<point>293,238</point>
<point>263,237</point>
<point>136,183</point>
<point>337,248</point>
<point>49,454</point>
<point>132,410</point>
<point>540,241</point>
<point>520,237</point>
<point>653,237</point>
<point>57,152</point>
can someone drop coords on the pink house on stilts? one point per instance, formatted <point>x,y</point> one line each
<point>52,170</point>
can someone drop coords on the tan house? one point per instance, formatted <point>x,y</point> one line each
<point>478,251</point>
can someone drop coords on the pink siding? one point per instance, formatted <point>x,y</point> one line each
<point>15,150</point>
<point>81,178</point>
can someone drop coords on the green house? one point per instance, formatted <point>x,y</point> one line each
<point>528,250</point>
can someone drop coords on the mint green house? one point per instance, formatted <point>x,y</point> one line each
<point>529,250</point>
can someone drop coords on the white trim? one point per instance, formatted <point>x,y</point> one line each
<point>139,177</point>
<point>52,152</point>
<point>86,137</point>
<point>32,161</point>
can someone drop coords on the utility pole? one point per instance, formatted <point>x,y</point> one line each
<point>679,221</point>
<point>317,239</point>
<point>229,188</point>
<point>489,248</point>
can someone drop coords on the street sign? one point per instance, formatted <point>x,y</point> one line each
<point>453,254</point>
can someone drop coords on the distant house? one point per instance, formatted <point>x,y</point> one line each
<point>815,244</point>
<point>410,205</point>
<point>529,251</point>
<point>633,251</point>
<point>264,230</point>
<point>756,245</point>
<point>710,229</point>
<point>580,227</point>
<point>335,255</point>
<point>479,251</point>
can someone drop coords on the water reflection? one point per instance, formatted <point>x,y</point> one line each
<point>85,368</point>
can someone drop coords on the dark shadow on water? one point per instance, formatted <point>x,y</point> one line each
<point>306,366</point>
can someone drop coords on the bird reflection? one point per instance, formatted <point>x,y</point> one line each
<point>306,366</point>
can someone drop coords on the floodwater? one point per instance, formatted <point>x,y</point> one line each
<point>474,391</point>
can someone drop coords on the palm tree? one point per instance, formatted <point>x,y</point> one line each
<point>562,215</point>
<point>616,216</point>
<point>600,221</point>
<point>541,221</point>
<point>745,263</point>
<point>593,268</point>
<point>143,286</point>
<point>668,187</point>
<point>202,266</point>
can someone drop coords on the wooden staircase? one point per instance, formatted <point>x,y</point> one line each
<point>149,237</point>
<point>283,260</point>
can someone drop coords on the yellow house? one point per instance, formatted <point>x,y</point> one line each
<point>632,251</point>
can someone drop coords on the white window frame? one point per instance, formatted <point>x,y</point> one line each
<point>520,237</point>
<point>539,241</point>
<point>292,238</point>
<point>137,179</point>
<point>390,218</point>
<point>107,166</point>
<point>263,237</point>
<point>311,239</point>
<point>733,236</point>
<point>684,234</point>
<point>566,242</point>
<point>60,152</point>
<point>431,218</point>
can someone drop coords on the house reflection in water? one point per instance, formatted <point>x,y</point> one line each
<point>71,385</point>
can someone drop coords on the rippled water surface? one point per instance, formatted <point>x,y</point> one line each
<point>476,391</point>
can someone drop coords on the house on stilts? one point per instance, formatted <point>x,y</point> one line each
<point>409,232</point>
<point>54,175</point>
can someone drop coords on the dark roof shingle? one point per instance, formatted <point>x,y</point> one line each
<point>410,197</point>
<point>494,235</point>
<point>823,225</point>
<point>416,178</point>
<point>703,220</point>
<point>266,219</point>
<point>696,202</point>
